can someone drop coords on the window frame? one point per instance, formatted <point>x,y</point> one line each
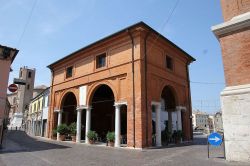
<point>66,72</point>
<point>98,67</point>
<point>29,74</point>
<point>171,68</point>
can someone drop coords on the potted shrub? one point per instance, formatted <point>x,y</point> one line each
<point>169,136</point>
<point>166,137</point>
<point>54,134</point>
<point>178,136</point>
<point>110,138</point>
<point>72,129</point>
<point>62,129</point>
<point>92,136</point>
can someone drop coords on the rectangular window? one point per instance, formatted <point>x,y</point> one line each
<point>69,72</point>
<point>101,61</point>
<point>29,75</point>
<point>169,63</point>
<point>28,86</point>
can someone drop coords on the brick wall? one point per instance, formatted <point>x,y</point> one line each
<point>231,8</point>
<point>236,57</point>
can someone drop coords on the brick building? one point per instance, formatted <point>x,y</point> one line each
<point>119,83</point>
<point>234,37</point>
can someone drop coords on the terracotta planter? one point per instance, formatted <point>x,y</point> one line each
<point>54,137</point>
<point>91,141</point>
<point>111,143</point>
<point>177,141</point>
<point>61,137</point>
<point>73,137</point>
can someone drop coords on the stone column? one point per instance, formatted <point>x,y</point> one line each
<point>179,122</point>
<point>117,125</point>
<point>78,125</point>
<point>88,122</point>
<point>59,121</point>
<point>158,124</point>
<point>170,125</point>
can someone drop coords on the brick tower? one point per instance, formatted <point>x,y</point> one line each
<point>234,38</point>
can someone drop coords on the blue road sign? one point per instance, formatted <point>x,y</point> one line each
<point>215,139</point>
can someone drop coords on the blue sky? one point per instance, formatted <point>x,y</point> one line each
<point>57,28</point>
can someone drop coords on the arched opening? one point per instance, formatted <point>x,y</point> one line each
<point>68,107</point>
<point>103,111</point>
<point>168,107</point>
<point>103,114</point>
<point>168,116</point>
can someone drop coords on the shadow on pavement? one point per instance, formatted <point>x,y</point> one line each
<point>19,141</point>
<point>199,139</point>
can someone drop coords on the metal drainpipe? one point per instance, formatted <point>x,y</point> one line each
<point>133,84</point>
<point>189,101</point>
<point>146,85</point>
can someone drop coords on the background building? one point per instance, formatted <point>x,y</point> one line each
<point>211,124</point>
<point>218,124</point>
<point>25,92</point>
<point>36,117</point>
<point>234,37</point>
<point>7,56</point>
<point>200,120</point>
<point>24,95</point>
<point>12,98</point>
<point>20,100</point>
<point>45,112</point>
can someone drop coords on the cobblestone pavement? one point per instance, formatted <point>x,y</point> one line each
<point>19,149</point>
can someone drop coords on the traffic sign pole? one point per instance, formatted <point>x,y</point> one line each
<point>224,146</point>
<point>214,139</point>
<point>207,147</point>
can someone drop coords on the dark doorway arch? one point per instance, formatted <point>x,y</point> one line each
<point>68,106</point>
<point>169,97</point>
<point>103,111</point>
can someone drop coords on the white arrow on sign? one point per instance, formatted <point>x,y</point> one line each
<point>216,139</point>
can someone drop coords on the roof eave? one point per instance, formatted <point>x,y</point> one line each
<point>191,59</point>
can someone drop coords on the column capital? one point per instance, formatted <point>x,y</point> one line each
<point>181,108</point>
<point>82,107</point>
<point>79,108</point>
<point>155,103</point>
<point>88,108</point>
<point>57,110</point>
<point>119,104</point>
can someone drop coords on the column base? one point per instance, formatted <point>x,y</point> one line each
<point>235,102</point>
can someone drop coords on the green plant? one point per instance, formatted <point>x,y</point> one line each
<point>92,135</point>
<point>168,135</point>
<point>110,136</point>
<point>62,129</point>
<point>72,128</point>
<point>54,132</point>
<point>179,134</point>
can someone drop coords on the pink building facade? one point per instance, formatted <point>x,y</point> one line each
<point>7,55</point>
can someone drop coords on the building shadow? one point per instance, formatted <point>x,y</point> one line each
<point>199,139</point>
<point>19,141</point>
